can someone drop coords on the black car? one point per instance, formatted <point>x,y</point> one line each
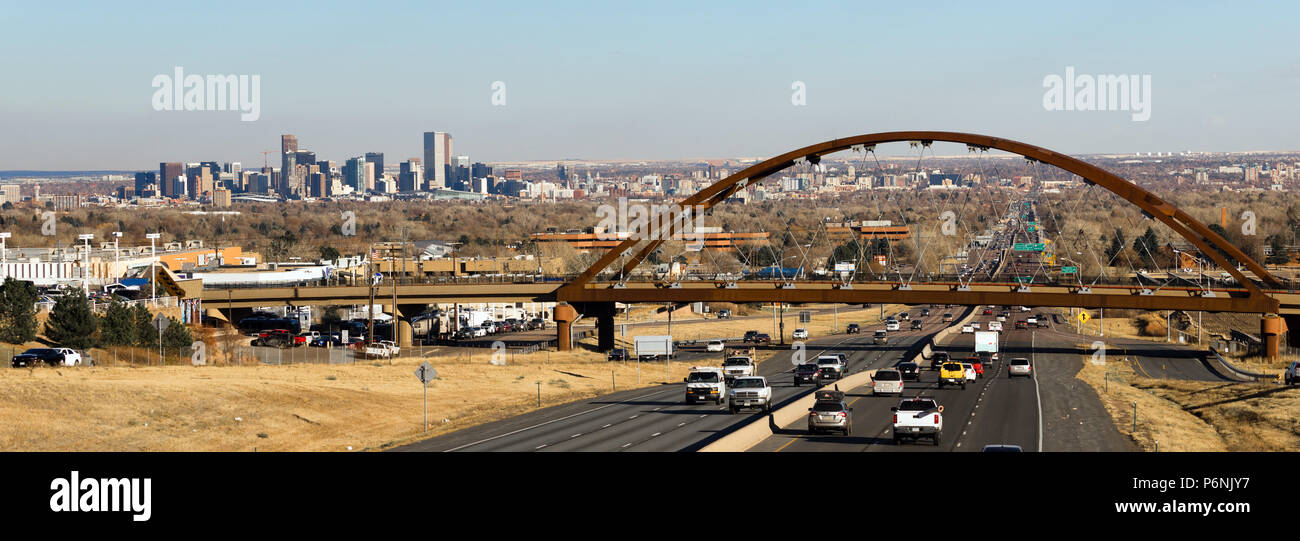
<point>618,354</point>
<point>938,359</point>
<point>751,336</point>
<point>853,328</point>
<point>925,312</point>
<point>805,373</point>
<point>909,370</point>
<point>916,324</point>
<point>724,314</point>
<point>36,356</point>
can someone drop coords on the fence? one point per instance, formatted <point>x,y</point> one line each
<point>296,355</point>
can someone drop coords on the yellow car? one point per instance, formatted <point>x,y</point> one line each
<point>952,374</point>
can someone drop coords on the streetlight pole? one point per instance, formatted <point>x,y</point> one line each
<point>117,255</point>
<point>85,269</point>
<point>4,253</point>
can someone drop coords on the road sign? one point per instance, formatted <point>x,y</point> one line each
<point>377,278</point>
<point>1083,317</point>
<point>1024,279</point>
<point>805,317</point>
<point>426,373</point>
<point>1029,247</point>
<point>161,322</point>
<point>1069,270</point>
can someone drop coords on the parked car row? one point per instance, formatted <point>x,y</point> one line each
<point>47,356</point>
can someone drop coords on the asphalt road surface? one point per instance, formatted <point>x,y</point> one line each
<point>658,419</point>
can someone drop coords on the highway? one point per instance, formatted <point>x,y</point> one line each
<point>658,419</point>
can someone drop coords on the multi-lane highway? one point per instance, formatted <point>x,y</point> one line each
<point>658,419</point>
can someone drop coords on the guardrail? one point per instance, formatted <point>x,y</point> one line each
<point>1257,376</point>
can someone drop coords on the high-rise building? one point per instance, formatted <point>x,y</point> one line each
<point>145,181</point>
<point>369,174</point>
<point>221,197</point>
<point>561,172</point>
<point>437,158</point>
<point>480,170</point>
<point>411,177</point>
<point>199,180</point>
<point>318,185</point>
<point>376,158</point>
<point>167,173</point>
<point>354,174</point>
<point>288,163</point>
<point>305,157</point>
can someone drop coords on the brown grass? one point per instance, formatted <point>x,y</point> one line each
<point>1159,420</point>
<point>1245,416</point>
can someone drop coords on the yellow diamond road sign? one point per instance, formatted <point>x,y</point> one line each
<point>1083,317</point>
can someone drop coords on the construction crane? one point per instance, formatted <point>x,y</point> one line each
<point>264,153</point>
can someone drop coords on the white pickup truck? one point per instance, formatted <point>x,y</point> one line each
<point>705,383</point>
<point>916,418</point>
<point>738,367</point>
<point>750,392</point>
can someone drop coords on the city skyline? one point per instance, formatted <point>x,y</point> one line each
<point>627,82</point>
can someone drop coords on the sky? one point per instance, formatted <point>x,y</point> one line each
<point>631,80</point>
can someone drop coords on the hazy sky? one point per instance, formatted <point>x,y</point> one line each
<point>631,80</point>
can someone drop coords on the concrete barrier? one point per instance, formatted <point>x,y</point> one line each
<point>760,429</point>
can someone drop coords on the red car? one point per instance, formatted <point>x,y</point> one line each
<point>988,311</point>
<point>1021,325</point>
<point>978,364</point>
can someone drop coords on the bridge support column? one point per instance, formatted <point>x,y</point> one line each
<point>1292,324</point>
<point>564,317</point>
<point>604,313</point>
<point>1271,327</point>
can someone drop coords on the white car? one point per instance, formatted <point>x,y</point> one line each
<point>800,334</point>
<point>70,356</point>
<point>891,324</point>
<point>995,326</point>
<point>715,345</point>
<point>971,375</point>
<point>967,328</point>
<point>887,381</point>
<point>1024,308</point>
<point>975,325</point>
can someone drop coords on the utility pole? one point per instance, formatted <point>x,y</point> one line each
<point>153,270</point>
<point>370,308</point>
<point>395,285</point>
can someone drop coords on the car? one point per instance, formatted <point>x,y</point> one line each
<point>925,312</point>
<point>537,323</point>
<point>1032,320</point>
<point>903,316</point>
<point>1024,308</point>
<point>830,413</point>
<point>715,345</point>
<point>1021,325</point>
<point>1019,366</point>
<point>617,354</point>
<point>853,328</point>
<point>805,373</point>
<point>938,359</point>
<point>739,366</point>
<point>1001,448</point>
<point>49,356</point>
<point>724,314</point>
<point>1292,374</point>
<point>988,311</point>
<point>909,370</point>
<point>967,328</point>
<point>750,336</point>
<point>977,364</point>
<point>750,392</point>
<point>880,337</point>
<point>947,317</point>
<point>916,324</point>
<point>1041,323</point>
<point>887,381</point>
<point>916,418</point>
<point>800,334</point>
<point>763,338</point>
<point>995,326</point>
<point>952,373</point>
<point>969,371</point>
<point>975,325</point>
<point>830,367</point>
<point>891,324</point>
<point>278,338</point>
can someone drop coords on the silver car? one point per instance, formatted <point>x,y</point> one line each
<point>1019,366</point>
<point>830,416</point>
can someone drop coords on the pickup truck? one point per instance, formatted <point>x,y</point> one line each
<point>750,392</point>
<point>887,381</point>
<point>916,418</point>
<point>952,373</point>
<point>705,383</point>
<point>830,366</point>
<point>738,367</point>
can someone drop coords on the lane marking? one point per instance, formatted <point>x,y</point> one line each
<point>575,435</point>
<point>1033,363</point>
<point>656,434</point>
<point>552,421</point>
<point>626,445</point>
<point>539,446</point>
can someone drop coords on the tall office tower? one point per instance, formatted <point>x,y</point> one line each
<point>288,159</point>
<point>305,157</point>
<point>461,168</point>
<point>167,173</point>
<point>368,171</point>
<point>354,175</point>
<point>561,172</point>
<point>233,168</point>
<point>200,180</point>
<point>144,180</point>
<point>318,187</point>
<point>376,158</point>
<point>480,170</point>
<point>179,187</point>
<point>437,158</point>
<point>411,177</point>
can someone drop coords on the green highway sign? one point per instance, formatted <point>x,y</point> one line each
<point>1029,246</point>
<point>1069,270</point>
<point>1024,279</point>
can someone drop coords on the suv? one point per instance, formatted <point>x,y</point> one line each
<point>278,338</point>
<point>916,418</point>
<point>904,316</point>
<point>938,359</point>
<point>830,413</point>
<point>853,328</point>
<point>891,324</point>
<point>1292,374</point>
<point>1020,366</point>
<point>800,334</point>
<point>952,373</point>
<point>916,324</point>
<point>806,372</point>
<point>751,336</point>
<point>618,354</point>
<point>705,383</point>
<point>881,337</point>
<point>909,370</point>
<point>1021,325</point>
<point>947,317</point>
<point>887,381</point>
<point>750,392</point>
<point>925,312</point>
<point>724,314</point>
<point>830,366</point>
<point>738,367</point>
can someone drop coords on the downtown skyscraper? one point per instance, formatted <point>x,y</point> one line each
<point>437,159</point>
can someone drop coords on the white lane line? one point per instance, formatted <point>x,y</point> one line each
<point>575,435</point>
<point>626,445</point>
<point>540,446</point>
<point>552,421</point>
<point>1038,397</point>
<point>608,425</point>
<point>634,416</point>
<point>656,434</point>
<point>681,424</point>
